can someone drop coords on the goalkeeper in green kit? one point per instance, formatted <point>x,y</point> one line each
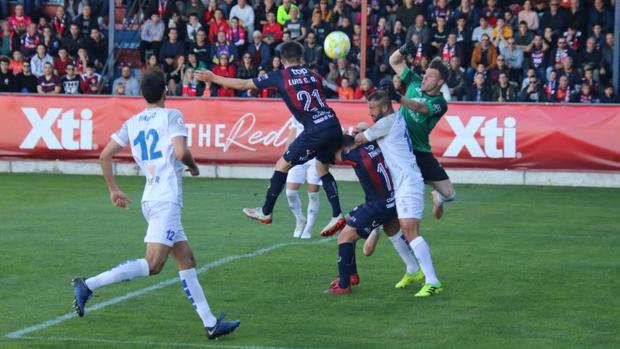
<point>422,106</point>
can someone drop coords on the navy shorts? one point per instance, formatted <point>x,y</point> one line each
<point>322,145</point>
<point>366,217</point>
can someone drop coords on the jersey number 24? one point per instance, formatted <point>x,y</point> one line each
<point>143,137</point>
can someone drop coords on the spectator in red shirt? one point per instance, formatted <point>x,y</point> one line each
<point>364,89</point>
<point>225,70</point>
<point>17,63</point>
<point>272,31</point>
<point>90,81</point>
<point>19,22</point>
<point>61,61</point>
<point>345,91</point>
<point>217,25</point>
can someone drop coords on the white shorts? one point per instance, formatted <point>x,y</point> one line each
<point>304,172</point>
<point>409,195</point>
<point>164,219</point>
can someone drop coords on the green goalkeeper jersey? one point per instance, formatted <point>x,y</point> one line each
<point>420,125</point>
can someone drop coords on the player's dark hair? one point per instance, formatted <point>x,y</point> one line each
<point>436,63</point>
<point>153,85</point>
<point>292,51</point>
<point>380,96</point>
<point>347,141</point>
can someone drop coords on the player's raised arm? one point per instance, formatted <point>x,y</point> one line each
<point>118,198</point>
<point>237,84</point>
<point>397,59</point>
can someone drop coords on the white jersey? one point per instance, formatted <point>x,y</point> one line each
<point>299,128</point>
<point>150,135</point>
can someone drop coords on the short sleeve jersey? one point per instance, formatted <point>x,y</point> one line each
<point>390,133</point>
<point>369,166</point>
<point>150,135</point>
<point>302,91</point>
<point>420,125</point>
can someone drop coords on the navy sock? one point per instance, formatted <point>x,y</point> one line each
<point>331,189</point>
<point>346,262</point>
<point>275,187</point>
<point>354,265</point>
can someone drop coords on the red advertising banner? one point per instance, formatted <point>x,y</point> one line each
<point>250,131</point>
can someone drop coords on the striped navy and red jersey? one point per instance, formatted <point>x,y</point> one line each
<point>374,176</point>
<point>302,91</point>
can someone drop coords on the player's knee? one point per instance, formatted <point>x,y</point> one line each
<point>155,265</point>
<point>450,195</point>
<point>348,234</point>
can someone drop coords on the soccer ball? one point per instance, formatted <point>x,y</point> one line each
<point>337,45</point>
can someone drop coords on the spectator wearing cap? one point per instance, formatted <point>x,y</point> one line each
<point>48,83</point>
<point>151,36</point>
<point>26,82</point>
<point>482,29</point>
<point>283,13</point>
<point>555,18</point>
<point>529,16</point>
<point>130,84</point>
<point>419,28</point>
<point>39,60</point>
<point>8,82</point>
<point>245,13</point>
<point>223,45</point>
<point>70,81</point>
<point>479,91</point>
<point>18,21</point>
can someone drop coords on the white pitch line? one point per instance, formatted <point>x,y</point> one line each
<point>159,344</point>
<point>43,325</point>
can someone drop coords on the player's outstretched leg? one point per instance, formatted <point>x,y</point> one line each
<point>413,273</point>
<point>276,184</point>
<point>83,288</point>
<point>411,229</point>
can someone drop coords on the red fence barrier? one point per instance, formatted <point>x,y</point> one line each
<point>493,136</point>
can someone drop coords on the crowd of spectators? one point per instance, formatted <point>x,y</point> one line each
<point>504,51</point>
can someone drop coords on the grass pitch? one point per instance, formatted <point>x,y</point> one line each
<point>523,267</point>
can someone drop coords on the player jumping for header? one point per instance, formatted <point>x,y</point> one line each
<point>302,91</point>
<point>422,106</point>
<point>157,137</point>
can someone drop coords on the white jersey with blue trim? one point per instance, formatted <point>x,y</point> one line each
<point>150,134</point>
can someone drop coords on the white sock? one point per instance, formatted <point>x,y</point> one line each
<point>443,199</point>
<point>405,253</point>
<point>294,203</point>
<point>423,253</point>
<point>196,296</point>
<point>123,272</point>
<point>314,203</point>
